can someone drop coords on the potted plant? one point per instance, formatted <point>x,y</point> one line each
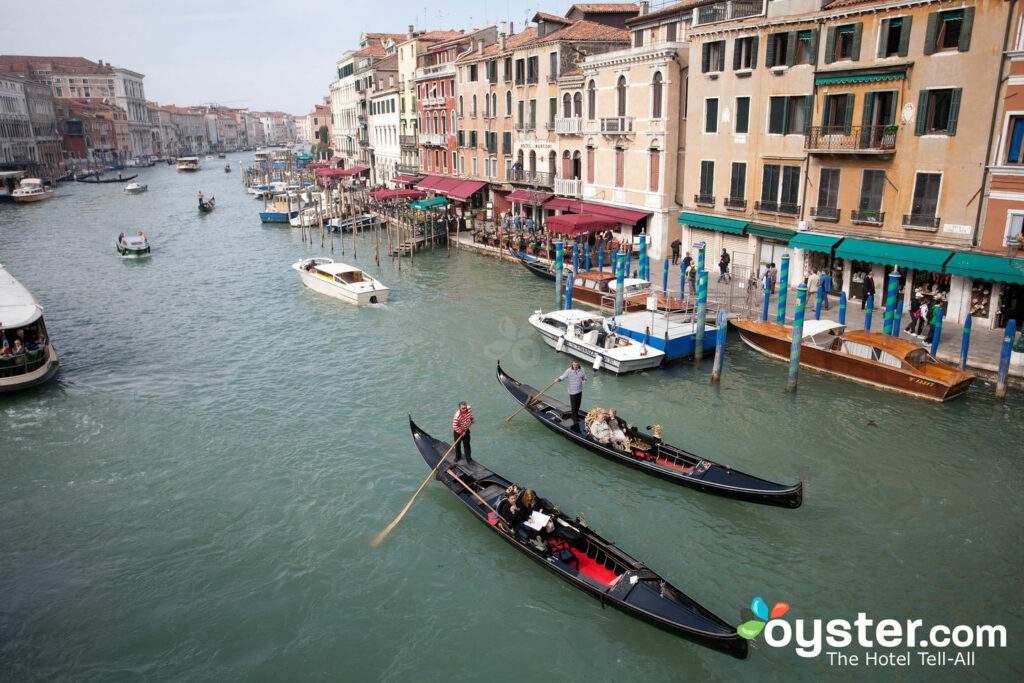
<point>505,242</point>
<point>888,140</point>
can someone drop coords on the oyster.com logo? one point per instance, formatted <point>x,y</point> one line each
<point>752,628</point>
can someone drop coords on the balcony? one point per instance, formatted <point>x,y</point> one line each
<point>616,125</point>
<point>549,125</point>
<point>407,141</point>
<point>871,140</point>
<point>407,169</point>
<point>526,125</point>
<point>704,199</point>
<point>570,126</point>
<point>727,11</point>
<point>524,177</point>
<point>736,203</point>
<point>429,102</point>
<point>433,139</point>
<point>569,187</point>
<point>552,78</point>
<point>921,221</point>
<point>825,213</point>
<point>436,71</point>
<point>782,208</point>
<point>868,217</point>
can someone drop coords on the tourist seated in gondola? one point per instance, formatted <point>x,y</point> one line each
<point>510,510</point>
<point>618,425</point>
<point>603,432</point>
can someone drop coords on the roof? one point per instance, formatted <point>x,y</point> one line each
<point>17,305</point>
<point>57,64</point>
<point>605,7</point>
<point>668,11</point>
<point>460,37</point>
<point>336,268</point>
<point>397,37</point>
<point>550,17</point>
<point>584,30</point>
<point>373,49</point>
<point>511,42</point>
<point>849,3</point>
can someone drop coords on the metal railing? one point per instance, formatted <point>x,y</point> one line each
<point>433,139</point>
<point>704,199</point>
<point>433,101</point>
<point>617,124</point>
<point>867,217</point>
<point>519,175</point>
<point>726,11</point>
<point>407,141</point>
<point>778,207</point>
<point>569,187</point>
<point>526,125</point>
<point>825,213</point>
<point>829,139</point>
<point>735,203</point>
<point>920,220</point>
<point>569,126</point>
<point>23,363</point>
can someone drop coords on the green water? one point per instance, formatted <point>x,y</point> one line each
<point>195,495</point>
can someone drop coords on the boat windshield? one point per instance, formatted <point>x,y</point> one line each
<point>918,358</point>
<point>350,278</point>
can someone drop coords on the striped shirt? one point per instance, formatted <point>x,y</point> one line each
<point>462,420</point>
<point>576,378</point>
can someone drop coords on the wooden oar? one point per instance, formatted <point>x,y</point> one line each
<point>380,537</point>
<point>531,400</point>
<point>488,505</point>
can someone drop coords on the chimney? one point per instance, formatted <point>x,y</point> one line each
<point>411,34</point>
<point>644,7</point>
<point>481,47</point>
<point>501,42</point>
<point>501,27</point>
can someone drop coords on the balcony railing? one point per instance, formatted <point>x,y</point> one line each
<point>410,169</point>
<point>778,207</point>
<point>522,176</point>
<point>433,102</point>
<point>433,139</point>
<point>549,125</point>
<point>921,221</point>
<point>617,125</point>
<point>825,213</point>
<point>868,217</point>
<point>727,11</point>
<point>704,199</point>
<point>407,141</point>
<point>736,203</point>
<point>552,78</point>
<point>569,187</point>
<point>436,71</point>
<point>851,139</point>
<point>526,125</point>
<point>569,126</point>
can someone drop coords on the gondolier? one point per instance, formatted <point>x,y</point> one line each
<point>461,423</point>
<point>577,378</point>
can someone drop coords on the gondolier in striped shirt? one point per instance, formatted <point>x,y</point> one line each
<point>577,377</point>
<point>461,423</point>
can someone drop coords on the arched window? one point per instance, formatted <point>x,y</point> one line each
<point>577,161</point>
<point>474,105</point>
<point>460,106</point>
<point>591,100</point>
<point>656,96</point>
<point>454,127</point>
<point>566,105</point>
<point>508,103</point>
<point>566,163</point>
<point>620,96</point>
<point>577,105</point>
<point>487,106</point>
<point>494,104</point>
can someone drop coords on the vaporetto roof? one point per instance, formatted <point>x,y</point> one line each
<point>17,305</point>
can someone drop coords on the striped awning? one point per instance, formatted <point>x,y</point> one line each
<point>860,78</point>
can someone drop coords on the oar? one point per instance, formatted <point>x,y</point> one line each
<point>380,537</point>
<point>488,505</point>
<point>531,400</point>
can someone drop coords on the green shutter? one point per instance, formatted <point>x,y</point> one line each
<point>826,108</point>
<point>931,34</point>
<point>922,113</point>
<point>705,58</point>
<point>814,46</point>
<point>954,111</point>
<point>883,33</point>
<point>905,35</point>
<point>830,45</point>
<point>753,52</point>
<point>791,48</point>
<point>769,52</point>
<point>808,113</point>
<point>867,118</point>
<point>858,28</point>
<point>736,51</point>
<point>965,29</point>
<point>777,114</point>
<point>849,115</point>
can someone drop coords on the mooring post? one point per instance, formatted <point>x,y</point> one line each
<point>619,281</point>
<point>1004,357</point>
<point>890,302</point>
<point>664,279</point>
<point>798,337</point>
<point>600,258</point>
<point>575,257</point>
<point>780,318</point>
<point>568,293</point>
<point>629,258</point>
<point>558,272</point>
<point>897,320</point>
<point>716,372</point>
<point>868,308</point>
<point>702,314</point>
<point>842,308</point>
<point>817,304</point>
<point>965,344</point>
<point>938,330</point>
<point>588,255</point>
<point>643,256</point>
<point>700,247</point>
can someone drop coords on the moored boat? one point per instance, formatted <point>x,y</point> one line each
<point>590,337</point>
<point>227,168</point>
<point>135,188</point>
<point>100,180</point>
<point>578,555</point>
<point>285,207</point>
<point>534,265</point>
<point>190,163</point>
<point>871,358</point>
<point>133,246</point>
<point>27,357</point>
<point>649,454</point>
<point>31,190</point>
<point>340,281</point>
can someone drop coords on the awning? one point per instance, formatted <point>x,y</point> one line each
<point>861,78</point>
<point>713,223</point>
<point>903,255</point>
<point>406,179</point>
<point>465,189</point>
<point>868,74</point>
<point>576,223</point>
<point>430,203</point>
<point>563,204</point>
<point>984,267</point>
<point>812,241</point>
<point>445,185</point>
<point>529,197</point>
<point>429,182</point>
<point>775,233</point>
<point>627,216</point>
<point>397,194</point>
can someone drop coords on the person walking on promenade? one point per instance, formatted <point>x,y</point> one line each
<point>577,378</point>
<point>826,288</point>
<point>687,260</point>
<point>915,311</point>
<point>675,250</point>
<point>869,289</point>
<point>691,278</point>
<point>933,322</point>
<point>461,423</point>
<point>723,267</point>
<point>813,282</point>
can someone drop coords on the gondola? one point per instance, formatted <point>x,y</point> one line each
<point>205,206</point>
<point>97,181</point>
<point>652,456</point>
<point>534,265</point>
<point>581,557</point>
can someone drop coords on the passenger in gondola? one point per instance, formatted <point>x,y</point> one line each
<point>618,427</point>
<point>510,510</point>
<point>529,504</point>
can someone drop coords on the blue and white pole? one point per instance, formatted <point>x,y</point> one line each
<point>702,314</point>
<point>558,272</point>
<point>780,318</point>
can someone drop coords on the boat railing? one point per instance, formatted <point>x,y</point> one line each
<point>23,363</point>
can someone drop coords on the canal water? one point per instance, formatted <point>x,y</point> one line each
<point>195,495</point>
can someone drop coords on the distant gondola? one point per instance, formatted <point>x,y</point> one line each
<point>534,265</point>
<point>205,206</point>
<point>581,557</point>
<point>660,459</point>
<point>97,181</point>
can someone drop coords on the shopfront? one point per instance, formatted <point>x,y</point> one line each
<point>993,289</point>
<point>815,249</point>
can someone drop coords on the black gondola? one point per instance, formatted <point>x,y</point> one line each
<point>582,557</point>
<point>660,459</point>
<point>205,206</point>
<point>534,265</point>
<point>97,181</point>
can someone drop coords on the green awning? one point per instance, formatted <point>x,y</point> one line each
<point>712,223</point>
<point>982,267</point>
<point>812,241</point>
<point>429,203</point>
<point>784,234</point>
<point>902,255</point>
<point>859,78</point>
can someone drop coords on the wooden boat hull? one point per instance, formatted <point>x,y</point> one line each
<point>534,266</point>
<point>637,591</point>
<point>30,198</point>
<point>663,461</point>
<point>849,367</point>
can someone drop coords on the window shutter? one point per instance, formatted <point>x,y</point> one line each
<point>965,29</point>
<point>883,37</point>
<point>753,52</point>
<point>787,115</point>
<point>777,115</point>
<point>905,36</point>
<point>868,117</point>
<point>721,57</point>
<point>858,29</point>
<point>705,58</point>
<point>922,113</point>
<point>506,142</point>
<point>814,46</point>
<point>826,109</point>
<point>791,48</point>
<point>737,51</point>
<point>954,110</point>
<point>808,113</point>
<point>931,34</point>
<point>830,45</point>
<point>849,115</point>
<point>769,52</point>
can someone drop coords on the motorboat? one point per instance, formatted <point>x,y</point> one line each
<point>637,293</point>
<point>341,281</point>
<point>135,188</point>
<point>209,157</point>
<point>31,190</point>
<point>592,338</point>
<point>285,207</point>
<point>227,168</point>
<point>273,188</point>
<point>9,181</point>
<point>188,163</point>
<point>222,155</point>
<point>871,358</point>
<point>133,246</point>
<point>305,218</point>
<point>27,357</point>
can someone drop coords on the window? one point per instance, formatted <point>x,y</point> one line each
<point>577,105</point>
<point>707,183</point>
<point>508,69</point>
<point>494,104</point>
<point>442,87</point>
<point>620,167</point>
<point>520,71</point>
<point>872,188</point>
<point>828,190</point>
<point>781,197</point>
<point>656,96</point>
<point>894,37</point>
<point>1014,224</point>
<point>552,110</point>
<point>508,103</point>
<point>454,165</point>
<point>926,195</point>
<point>591,100</point>
<point>711,115</point>
<point>472,138</point>
<point>937,112</point>
<point>806,47</point>
<point>461,113</point>
<point>1014,152</point>
<point>566,105</point>
<point>713,56</point>
<point>738,181</point>
<point>532,69</point>
<point>620,96</point>
<point>655,170</point>
<point>837,114</point>
<point>788,115</point>
<point>779,50</point>
<point>506,142</point>
<point>949,31</point>
<point>533,113</point>
<point>474,107</point>
<point>742,114</point>
<point>670,32</point>
<point>638,38</point>
<point>492,71</point>
<point>554,64</point>
<point>590,165</point>
<point>462,164</point>
<point>843,42</point>
<point>744,53</point>
<point>473,161</point>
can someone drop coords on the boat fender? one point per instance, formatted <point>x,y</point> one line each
<point>560,343</point>
<point>597,361</point>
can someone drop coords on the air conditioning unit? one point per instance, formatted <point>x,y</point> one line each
<point>803,226</point>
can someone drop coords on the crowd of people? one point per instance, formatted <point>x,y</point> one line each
<point>22,341</point>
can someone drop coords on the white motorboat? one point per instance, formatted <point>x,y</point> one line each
<point>135,188</point>
<point>590,337</point>
<point>26,355</point>
<point>31,190</point>
<point>188,163</point>
<point>132,246</point>
<point>341,281</point>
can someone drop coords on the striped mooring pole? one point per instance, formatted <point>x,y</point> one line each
<point>558,272</point>
<point>1004,357</point>
<point>643,256</point>
<point>798,335</point>
<point>842,308</point>
<point>868,307</point>
<point>897,322</point>
<point>575,258</point>
<point>783,289</point>
<point>817,305</point>
<point>600,258</point>
<point>890,302</point>
<point>938,331</point>
<point>568,293</point>
<point>965,343</point>
<point>664,279</point>
<point>702,314</point>
<point>588,256</point>
<point>716,372</point>
<point>619,281</point>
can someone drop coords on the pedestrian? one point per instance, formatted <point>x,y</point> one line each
<point>933,321</point>
<point>577,378</point>
<point>687,260</point>
<point>675,250</point>
<point>869,289</point>
<point>826,288</point>
<point>813,282</point>
<point>508,222</point>
<point>752,288</point>
<point>461,423</point>
<point>915,311</point>
<point>922,318</point>
<point>723,266</point>
<point>529,224</point>
<point>691,278</point>
<point>519,223</point>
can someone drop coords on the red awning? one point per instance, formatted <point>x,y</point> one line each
<point>627,216</point>
<point>529,197</point>
<point>563,204</point>
<point>331,172</point>
<point>576,223</point>
<point>397,194</point>
<point>465,189</point>
<point>406,179</point>
<point>353,171</point>
<point>429,182</point>
<point>446,185</point>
